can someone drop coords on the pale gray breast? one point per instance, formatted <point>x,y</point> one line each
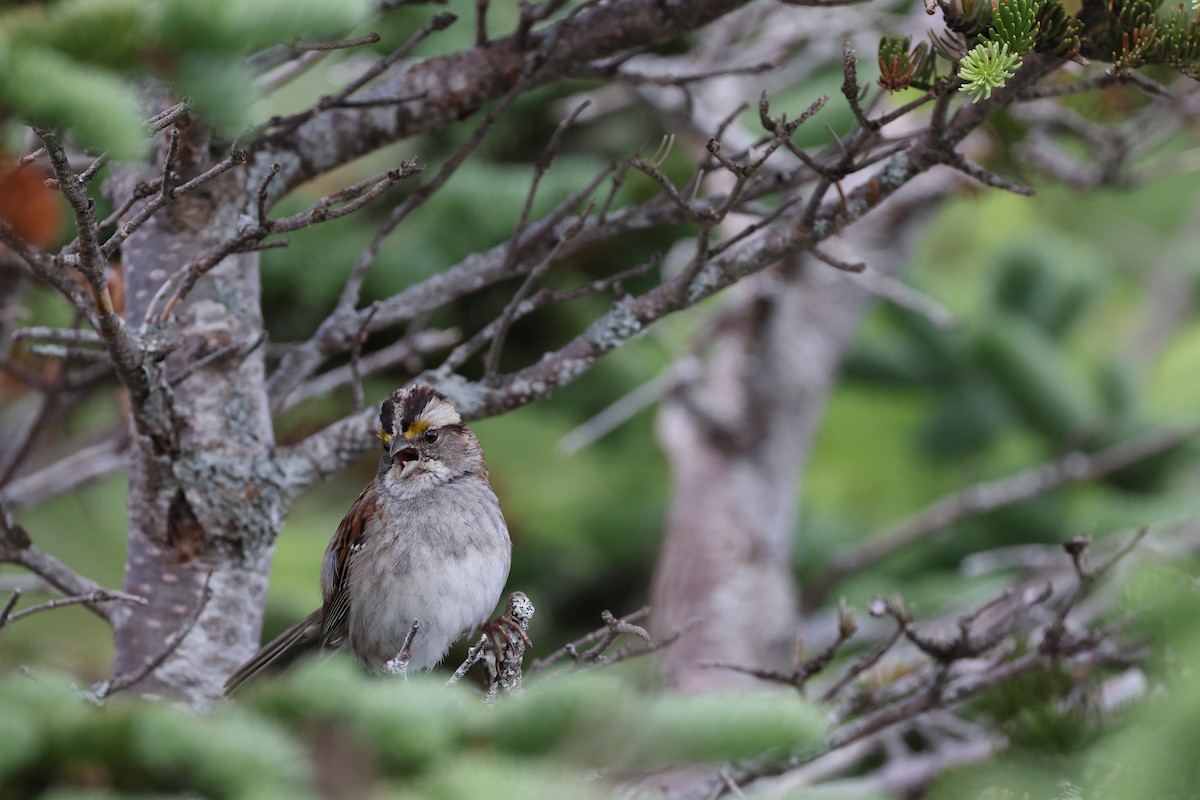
<point>441,557</point>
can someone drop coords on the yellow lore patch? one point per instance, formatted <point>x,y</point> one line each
<point>384,436</point>
<point>417,427</point>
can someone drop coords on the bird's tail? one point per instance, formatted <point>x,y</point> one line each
<point>302,637</point>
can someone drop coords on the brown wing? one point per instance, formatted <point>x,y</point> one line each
<point>335,573</point>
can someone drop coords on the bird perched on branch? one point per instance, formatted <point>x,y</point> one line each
<point>424,551</point>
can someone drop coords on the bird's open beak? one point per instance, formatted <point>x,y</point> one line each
<point>404,457</point>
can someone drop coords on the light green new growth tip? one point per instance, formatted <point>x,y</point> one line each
<point>987,67</point>
<point>1014,32</point>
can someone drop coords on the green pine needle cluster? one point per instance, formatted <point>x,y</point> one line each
<point>328,725</point>
<point>1015,23</point>
<point>998,55</point>
<point>987,67</point>
<point>1138,34</point>
<point>901,65</point>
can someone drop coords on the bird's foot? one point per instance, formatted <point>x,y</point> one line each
<point>513,621</point>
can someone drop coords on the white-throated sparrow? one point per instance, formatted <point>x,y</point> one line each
<point>425,542</point>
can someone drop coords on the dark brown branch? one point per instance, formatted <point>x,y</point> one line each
<point>168,170</point>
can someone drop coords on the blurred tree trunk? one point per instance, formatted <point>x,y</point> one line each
<point>737,438</point>
<point>204,508</point>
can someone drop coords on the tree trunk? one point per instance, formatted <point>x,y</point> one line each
<point>203,509</point>
<point>737,439</point>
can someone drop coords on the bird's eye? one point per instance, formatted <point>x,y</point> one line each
<point>431,436</point>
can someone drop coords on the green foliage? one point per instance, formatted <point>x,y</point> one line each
<point>1037,379</point>
<point>74,64</point>
<point>328,723</point>
<point>998,55</point>
<point>48,88</point>
<point>59,739</point>
<point>1029,710</point>
<point>715,728</point>
<point>987,67</point>
<point>900,66</point>
<point>1015,23</point>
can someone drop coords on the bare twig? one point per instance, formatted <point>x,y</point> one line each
<point>126,351</point>
<point>77,469</point>
<point>406,352</point>
<point>600,639</point>
<point>16,548</point>
<point>64,335</point>
<point>985,497</point>
<point>861,665</point>
<point>491,361</point>
<point>987,177</point>
<point>240,351</point>
<point>159,200</point>
<point>474,655</point>
<point>168,170</point>
<point>287,124</point>
<point>8,606</point>
<point>184,279</point>
<point>338,44</point>
<point>903,296</point>
<point>798,678</point>
<point>481,35</point>
<point>355,356</point>
<point>100,596</point>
